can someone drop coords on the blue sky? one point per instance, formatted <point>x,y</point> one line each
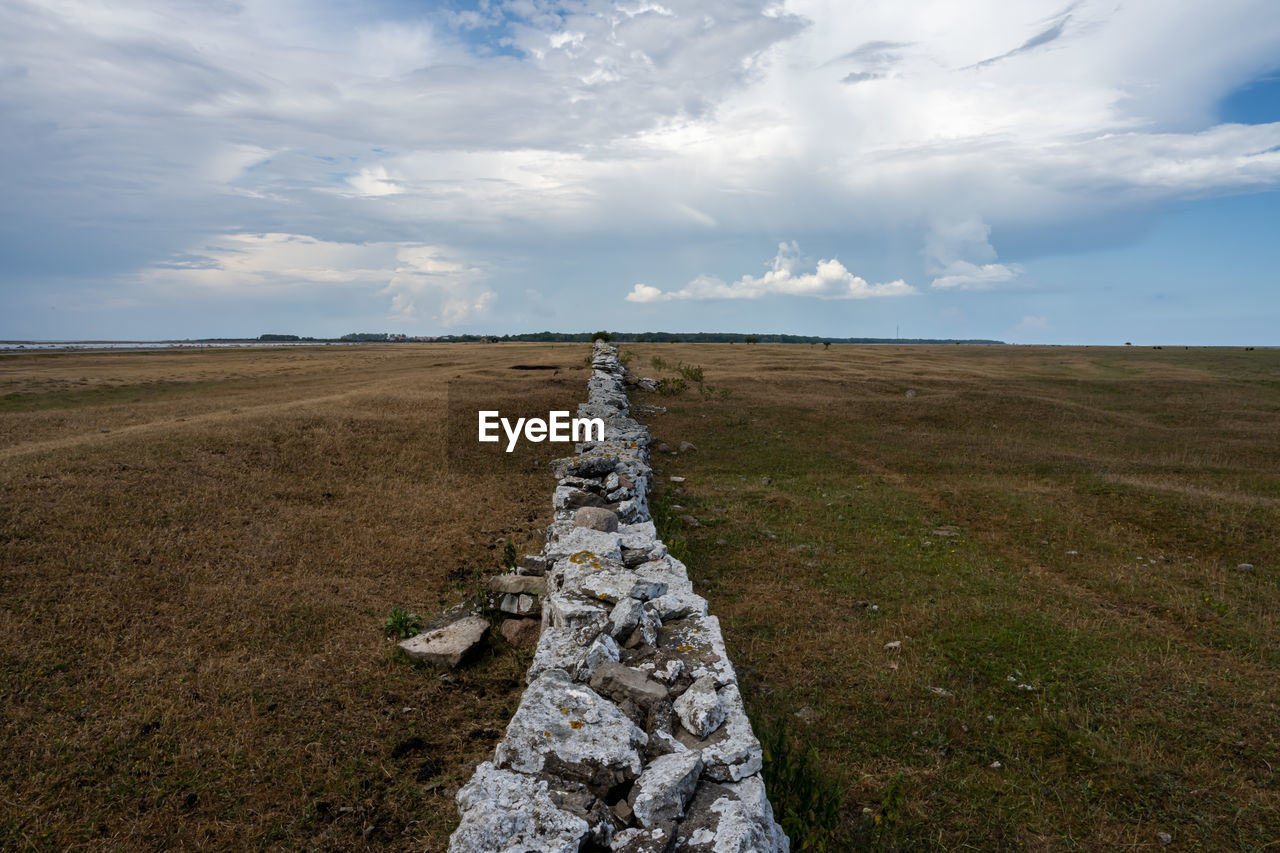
<point>1097,172</point>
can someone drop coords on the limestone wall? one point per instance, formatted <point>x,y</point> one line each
<point>631,735</point>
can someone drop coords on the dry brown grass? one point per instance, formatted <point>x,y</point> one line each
<point>1154,660</point>
<point>197,550</point>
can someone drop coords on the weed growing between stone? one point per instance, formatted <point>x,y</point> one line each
<point>806,800</point>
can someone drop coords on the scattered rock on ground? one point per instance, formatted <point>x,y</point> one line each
<point>447,646</point>
<point>687,447</point>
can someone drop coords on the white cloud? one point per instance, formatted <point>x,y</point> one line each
<point>421,282</point>
<point>944,129</point>
<point>830,280</point>
<point>374,181</point>
<point>954,253</point>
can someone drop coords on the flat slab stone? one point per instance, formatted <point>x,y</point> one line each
<point>615,586</point>
<point>568,729</point>
<point>505,812</point>
<point>585,541</point>
<point>697,641</point>
<point>447,646</point>
<point>620,682</point>
<point>517,584</point>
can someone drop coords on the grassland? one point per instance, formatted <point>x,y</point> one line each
<point>1052,536</point>
<point>197,550</point>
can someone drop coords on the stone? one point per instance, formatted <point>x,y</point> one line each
<point>570,730</point>
<point>569,498</point>
<point>636,840</point>
<point>690,521</point>
<point>581,543</point>
<point>646,632</point>
<point>615,586</point>
<point>665,788</point>
<point>522,633</point>
<point>765,481</point>
<point>663,667</point>
<point>687,447</point>
<point>602,651</point>
<point>517,584</point>
<point>677,604</point>
<point>596,518</point>
<point>505,812</point>
<point>447,646</point>
<point>697,641</point>
<point>624,617</point>
<point>662,447</point>
<point>620,682</point>
<point>558,649</point>
<point>584,619</point>
<point>521,605</point>
<point>641,536</point>
<point>732,752</point>
<point>731,818</point>
<point>591,465</point>
<point>700,708</point>
<point>533,564</point>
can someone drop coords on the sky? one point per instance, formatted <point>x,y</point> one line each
<point>1034,172</point>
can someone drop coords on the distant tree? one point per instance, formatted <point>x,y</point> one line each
<point>826,344</point>
<point>601,336</point>
<point>751,339</point>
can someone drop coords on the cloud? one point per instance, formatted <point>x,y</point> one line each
<point>955,251</point>
<point>134,131</point>
<point>420,282</point>
<point>1030,323</point>
<point>830,280</point>
<point>374,181</point>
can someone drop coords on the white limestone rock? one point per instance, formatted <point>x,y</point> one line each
<point>732,751</point>
<point>677,604</point>
<point>624,617</point>
<point>521,605</point>
<point>665,787</point>
<point>584,619</point>
<point>640,536</point>
<point>615,586</point>
<point>447,645</point>
<point>505,812</point>
<point>700,708</point>
<point>558,649</point>
<point>602,649</point>
<point>570,730</point>
<point>697,641</point>
<point>731,818</point>
<point>585,541</point>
